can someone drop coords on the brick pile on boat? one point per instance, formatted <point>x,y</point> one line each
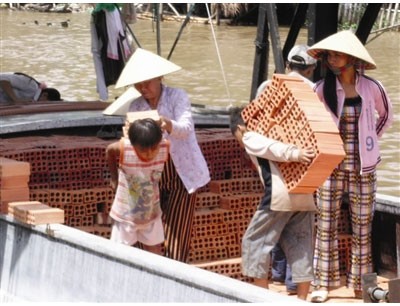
<point>14,178</point>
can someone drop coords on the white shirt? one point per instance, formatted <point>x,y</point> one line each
<point>185,152</point>
<point>273,151</point>
<point>24,87</point>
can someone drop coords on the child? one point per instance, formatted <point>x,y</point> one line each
<point>287,219</point>
<point>136,209</point>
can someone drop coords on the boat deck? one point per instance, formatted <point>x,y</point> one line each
<point>67,115</point>
<point>215,149</point>
<point>341,294</point>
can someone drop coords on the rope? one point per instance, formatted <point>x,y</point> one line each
<point>219,56</point>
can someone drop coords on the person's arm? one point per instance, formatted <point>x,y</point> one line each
<point>261,146</point>
<point>8,89</point>
<point>181,124</point>
<point>112,155</point>
<point>384,109</point>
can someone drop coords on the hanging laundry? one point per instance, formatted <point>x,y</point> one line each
<point>110,46</point>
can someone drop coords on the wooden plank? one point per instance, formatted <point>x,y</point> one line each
<point>132,116</point>
<point>45,216</point>
<point>11,167</point>
<point>12,205</point>
<point>18,181</point>
<point>14,194</point>
<point>21,211</point>
<point>36,213</point>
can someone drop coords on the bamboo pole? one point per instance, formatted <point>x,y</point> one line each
<point>187,19</point>
<point>173,9</point>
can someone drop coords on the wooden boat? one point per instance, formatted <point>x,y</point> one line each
<point>70,132</point>
<point>76,262</point>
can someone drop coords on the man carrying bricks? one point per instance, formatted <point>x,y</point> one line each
<point>281,217</point>
<point>302,65</point>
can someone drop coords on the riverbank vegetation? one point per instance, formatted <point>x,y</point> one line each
<point>349,14</point>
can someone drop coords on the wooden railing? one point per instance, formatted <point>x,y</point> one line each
<point>388,17</point>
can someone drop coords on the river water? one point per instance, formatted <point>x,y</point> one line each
<point>37,44</point>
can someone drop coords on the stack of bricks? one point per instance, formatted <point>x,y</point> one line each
<point>223,207</point>
<point>69,173</point>
<point>35,213</point>
<point>14,178</point>
<point>289,111</point>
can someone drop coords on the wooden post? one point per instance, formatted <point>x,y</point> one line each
<point>323,21</point>
<point>295,26</point>
<point>275,40</point>
<point>398,247</point>
<point>260,67</point>
<point>187,19</point>
<point>158,17</point>
<point>367,21</point>
<point>218,13</point>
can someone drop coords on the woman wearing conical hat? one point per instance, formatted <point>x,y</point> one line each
<point>362,111</point>
<point>186,171</point>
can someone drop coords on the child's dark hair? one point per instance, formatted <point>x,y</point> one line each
<point>235,116</point>
<point>52,94</point>
<point>145,133</point>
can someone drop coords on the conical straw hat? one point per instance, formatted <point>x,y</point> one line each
<point>345,42</point>
<point>121,105</point>
<point>144,65</point>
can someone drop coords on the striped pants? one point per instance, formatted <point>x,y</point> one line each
<point>178,209</point>
<point>361,190</point>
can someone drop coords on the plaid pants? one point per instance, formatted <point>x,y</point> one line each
<point>361,190</point>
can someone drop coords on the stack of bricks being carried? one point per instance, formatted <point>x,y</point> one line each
<point>289,111</point>
<point>14,178</point>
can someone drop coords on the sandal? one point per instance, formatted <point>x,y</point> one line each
<point>358,294</point>
<point>319,296</point>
